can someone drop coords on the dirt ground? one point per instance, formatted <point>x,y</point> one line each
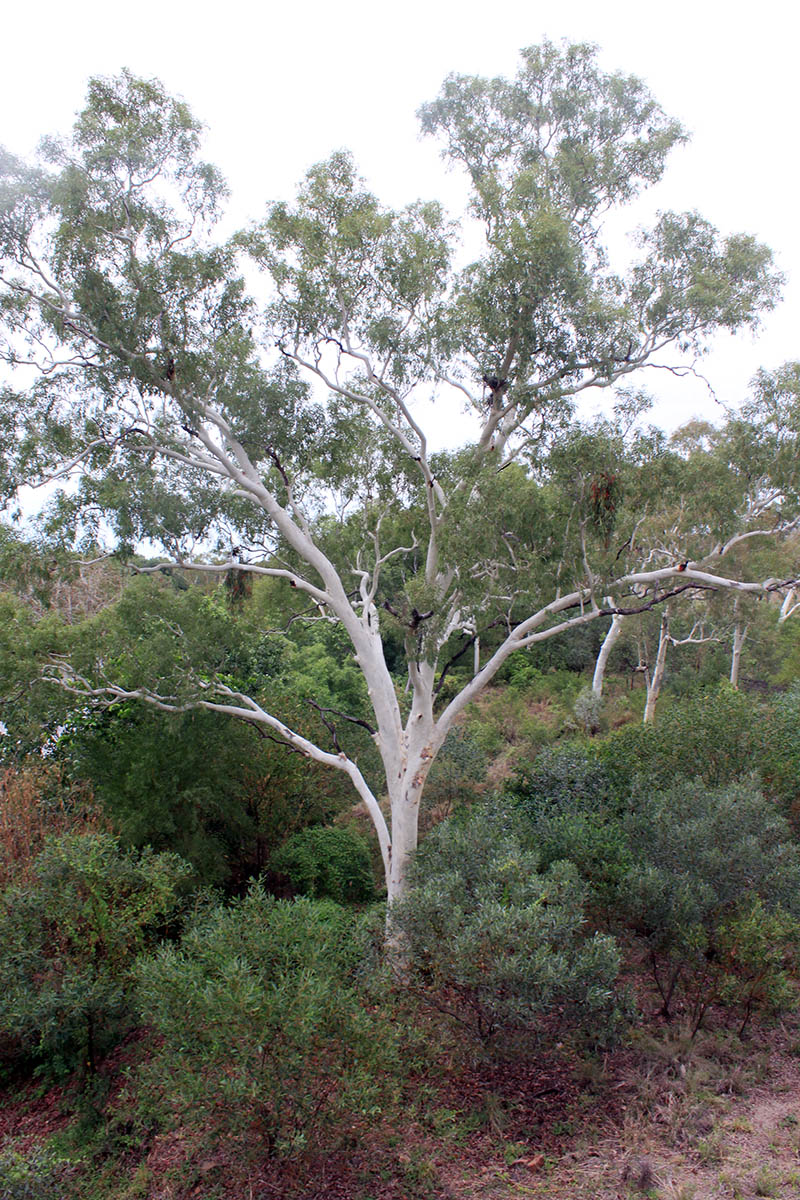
<point>679,1122</point>
<point>713,1119</point>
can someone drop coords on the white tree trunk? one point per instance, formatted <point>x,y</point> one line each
<point>654,685</point>
<point>739,635</point>
<point>407,749</point>
<point>609,642</point>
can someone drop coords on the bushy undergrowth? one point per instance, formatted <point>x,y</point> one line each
<point>714,891</point>
<point>35,1175</point>
<point>35,803</point>
<point>717,735</point>
<point>264,1031</point>
<point>327,861</point>
<point>457,776</point>
<point>499,947</point>
<point>68,941</point>
<point>565,807</point>
<point>708,878</point>
<point>780,763</point>
<point>276,1031</point>
<point>560,775</point>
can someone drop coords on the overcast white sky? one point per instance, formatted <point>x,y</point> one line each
<point>281,86</point>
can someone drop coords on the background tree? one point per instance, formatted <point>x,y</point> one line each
<point>186,413</point>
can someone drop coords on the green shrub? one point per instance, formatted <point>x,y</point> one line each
<point>68,940</point>
<point>594,842</point>
<point>327,861</point>
<point>457,775</point>
<point>504,718</point>
<point>34,1175</point>
<point>781,755</point>
<point>564,810</point>
<point>496,945</point>
<point>264,1032</point>
<point>561,777</point>
<point>758,957</point>
<point>703,861</point>
<point>587,711</point>
<point>716,735</point>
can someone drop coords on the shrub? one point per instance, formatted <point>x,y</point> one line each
<point>704,861</point>
<point>68,940</point>
<point>327,861</point>
<point>497,946</point>
<point>564,810</point>
<point>716,736</point>
<point>458,776</point>
<point>263,1029</point>
<point>781,757</point>
<point>559,778</point>
<point>758,956</point>
<point>198,785</point>
<point>35,1175</point>
<point>587,711</point>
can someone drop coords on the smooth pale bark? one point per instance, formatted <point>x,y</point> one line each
<point>657,678</point>
<point>739,635</point>
<point>407,748</point>
<point>609,642</point>
<point>344,272</point>
<point>790,605</point>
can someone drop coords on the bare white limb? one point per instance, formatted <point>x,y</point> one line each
<point>235,704</point>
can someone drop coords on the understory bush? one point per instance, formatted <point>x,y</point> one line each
<point>714,892</point>
<point>499,947</point>
<point>327,860</point>
<point>559,777</point>
<point>716,735</point>
<point>564,808</point>
<point>35,1175</point>
<point>37,802</point>
<point>264,1031</point>
<point>68,940</point>
<point>457,776</point>
<point>781,759</point>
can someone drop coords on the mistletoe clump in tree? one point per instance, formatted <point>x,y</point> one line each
<point>195,417</point>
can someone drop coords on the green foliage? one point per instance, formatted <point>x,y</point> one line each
<point>35,1175</point>
<point>706,864</point>
<point>32,712</point>
<point>176,783</point>
<point>330,861</point>
<point>716,735</point>
<point>264,1032</point>
<point>504,718</point>
<point>457,776</point>
<point>758,960</point>
<point>587,711</point>
<point>561,777</point>
<point>565,809</point>
<point>497,946</point>
<point>36,802</point>
<point>197,783</point>
<point>109,268</point>
<point>781,755</point>
<point>68,940</point>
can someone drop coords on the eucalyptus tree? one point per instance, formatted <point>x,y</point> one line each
<point>710,492</point>
<point>289,434</point>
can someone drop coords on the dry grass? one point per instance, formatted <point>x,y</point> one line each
<point>664,1119</point>
<point>34,804</point>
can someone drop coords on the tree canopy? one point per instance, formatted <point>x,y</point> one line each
<point>258,405</point>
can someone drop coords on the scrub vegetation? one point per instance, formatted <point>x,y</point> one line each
<point>380,822</point>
